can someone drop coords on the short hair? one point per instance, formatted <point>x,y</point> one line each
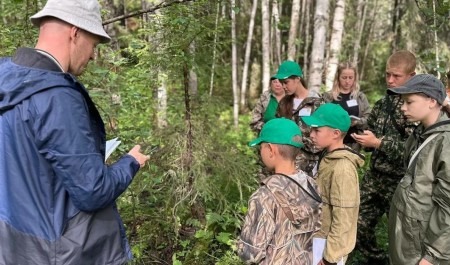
<point>289,151</point>
<point>404,59</point>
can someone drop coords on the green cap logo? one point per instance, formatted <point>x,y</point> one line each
<point>279,131</point>
<point>330,115</point>
<point>288,69</point>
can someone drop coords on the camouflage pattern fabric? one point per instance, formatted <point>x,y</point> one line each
<point>282,217</point>
<point>309,154</point>
<point>257,120</point>
<point>386,121</point>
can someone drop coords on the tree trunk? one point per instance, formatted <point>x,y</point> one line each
<point>234,65</point>
<point>360,23</point>
<point>436,41</point>
<point>307,36</point>
<point>193,80</point>
<point>162,100</point>
<point>335,42</point>
<point>373,16</point>
<point>265,44</point>
<point>396,26</point>
<point>318,50</point>
<point>276,34</point>
<point>295,17</point>
<point>255,78</point>
<point>213,66</point>
<point>248,49</point>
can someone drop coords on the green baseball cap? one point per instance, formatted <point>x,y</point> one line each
<point>288,69</point>
<point>279,131</point>
<point>330,115</point>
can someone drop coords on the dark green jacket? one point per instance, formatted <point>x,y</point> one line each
<point>419,219</point>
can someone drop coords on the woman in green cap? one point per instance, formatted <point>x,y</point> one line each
<point>297,103</point>
<point>266,107</point>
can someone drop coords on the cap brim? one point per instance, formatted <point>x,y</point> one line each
<point>401,90</point>
<point>255,142</point>
<point>312,121</point>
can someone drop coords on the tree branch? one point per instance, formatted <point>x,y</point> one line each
<point>149,10</point>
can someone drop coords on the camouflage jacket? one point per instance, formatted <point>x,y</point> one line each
<point>283,215</point>
<point>309,154</point>
<point>257,120</point>
<point>387,122</point>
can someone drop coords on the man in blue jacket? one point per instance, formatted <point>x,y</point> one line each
<point>57,196</point>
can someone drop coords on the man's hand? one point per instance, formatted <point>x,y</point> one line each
<point>367,139</point>
<point>136,153</point>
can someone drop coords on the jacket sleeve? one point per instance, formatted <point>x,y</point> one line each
<point>437,236</point>
<point>344,198</point>
<point>364,111</point>
<point>257,231</point>
<point>257,122</point>
<point>65,138</point>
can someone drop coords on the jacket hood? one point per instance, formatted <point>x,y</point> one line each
<point>356,158</point>
<point>441,125</point>
<point>19,82</point>
<point>291,201</point>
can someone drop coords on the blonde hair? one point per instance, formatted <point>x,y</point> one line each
<point>402,59</point>
<point>336,89</point>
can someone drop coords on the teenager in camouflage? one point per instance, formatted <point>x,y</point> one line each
<point>338,182</point>
<point>388,131</point>
<point>299,102</point>
<point>284,213</point>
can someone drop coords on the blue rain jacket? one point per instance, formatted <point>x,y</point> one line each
<point>57,196</point>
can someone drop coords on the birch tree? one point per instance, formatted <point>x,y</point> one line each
<point>335,42</point>
<point>295,17</point>
<point>248,49</point>
<point>306,36</point>
<point>265,44</point>
<point>234,64</point>
<point>318,46</point>
<point>276,34</point>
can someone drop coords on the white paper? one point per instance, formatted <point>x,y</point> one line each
<point>111,145</point>
<point>305,112</point>
<point>318,247</point>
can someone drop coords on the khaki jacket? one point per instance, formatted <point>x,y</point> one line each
<point>419,218</point>
<point>339,188</point>
<point>283,215</point>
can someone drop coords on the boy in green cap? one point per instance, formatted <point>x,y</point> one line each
<point>337,179</point>
<point>284,213</point>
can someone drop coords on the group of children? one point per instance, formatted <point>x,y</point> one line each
<point>291,207</point>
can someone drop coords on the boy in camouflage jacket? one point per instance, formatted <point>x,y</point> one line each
<point>284,213</point>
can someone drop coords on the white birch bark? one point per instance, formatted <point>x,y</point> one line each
<point>265,44</point>
<point>213,66</point>
<point>162,100</point>
<point>335,42</point>
<point>295,17</point>
<point>234,65</point>
<point>248,49</point>
<point>276,34</point>
<point>318,46</point>
<point>306,14</point>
